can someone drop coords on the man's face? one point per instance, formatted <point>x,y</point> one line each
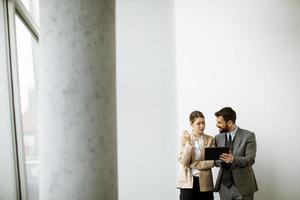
<point>222,125</point>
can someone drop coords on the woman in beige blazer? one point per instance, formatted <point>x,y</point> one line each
<point>195,179</point>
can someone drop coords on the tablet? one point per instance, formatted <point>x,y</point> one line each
<point>213,153</point>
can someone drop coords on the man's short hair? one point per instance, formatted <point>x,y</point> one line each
<point>227,113</point>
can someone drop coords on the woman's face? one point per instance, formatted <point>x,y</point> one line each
<point>199,124</point>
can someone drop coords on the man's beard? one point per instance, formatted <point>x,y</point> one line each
<point>224,130</point>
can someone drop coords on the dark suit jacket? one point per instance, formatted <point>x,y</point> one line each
<point>244,152</point>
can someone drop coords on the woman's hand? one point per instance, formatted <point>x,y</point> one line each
<point>186,138</point>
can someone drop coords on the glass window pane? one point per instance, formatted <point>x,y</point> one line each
<point>33,8</point>
<point>28,98</point>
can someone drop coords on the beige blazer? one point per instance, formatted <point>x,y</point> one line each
<point>187,161</point>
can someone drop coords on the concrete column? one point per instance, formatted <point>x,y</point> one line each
<point>77,100</point>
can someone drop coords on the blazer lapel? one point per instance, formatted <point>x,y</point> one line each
<point>222,142</point>
<point>205,142</point>
<point>237,141</point>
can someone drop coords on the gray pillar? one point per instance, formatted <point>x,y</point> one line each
<point>77,100</point>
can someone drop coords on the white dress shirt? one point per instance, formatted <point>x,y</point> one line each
<point>198,143</point>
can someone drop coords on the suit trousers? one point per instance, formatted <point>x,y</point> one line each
<point>232,193</point>
<point>194,193</point>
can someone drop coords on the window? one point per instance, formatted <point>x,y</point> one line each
<point>23,39</point>
<point>28,104</point>
<point>33,7</point>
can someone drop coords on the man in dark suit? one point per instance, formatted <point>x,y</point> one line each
<point>236,179</point>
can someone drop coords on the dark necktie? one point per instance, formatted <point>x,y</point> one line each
<point>230,142</point>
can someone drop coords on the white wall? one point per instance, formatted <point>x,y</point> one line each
<point>146,101</point>
<point>246,54</point>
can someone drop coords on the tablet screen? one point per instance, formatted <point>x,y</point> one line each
<point>213,153</point>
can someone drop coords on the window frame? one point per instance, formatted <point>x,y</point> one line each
<point>15,8</point>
